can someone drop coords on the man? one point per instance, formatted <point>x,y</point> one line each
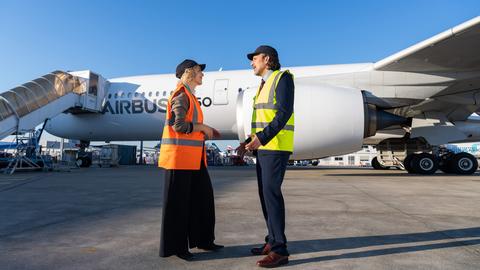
<point>271,140</point>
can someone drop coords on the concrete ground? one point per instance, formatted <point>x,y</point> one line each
<point>101,218</point>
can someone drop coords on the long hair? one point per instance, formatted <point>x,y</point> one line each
<point>273,63</point>
<point>188,76</point>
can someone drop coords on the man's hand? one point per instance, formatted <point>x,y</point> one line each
<point>254,144</point>
<point>241,150</point>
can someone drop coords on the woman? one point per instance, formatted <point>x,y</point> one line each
<point>188,207</point>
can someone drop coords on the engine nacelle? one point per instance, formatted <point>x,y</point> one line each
<point>329,120</point>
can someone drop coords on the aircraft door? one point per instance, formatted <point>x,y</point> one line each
<point>95,92</point>
<point>220,92</point>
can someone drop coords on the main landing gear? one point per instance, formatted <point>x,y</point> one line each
<point>416,156</point>
<point>84,158</point>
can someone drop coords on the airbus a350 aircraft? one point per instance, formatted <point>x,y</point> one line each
<point>409,104</point>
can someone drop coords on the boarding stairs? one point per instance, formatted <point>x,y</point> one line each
<point>31,104</point>
<point>25,107</point>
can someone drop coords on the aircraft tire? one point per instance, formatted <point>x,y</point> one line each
<point>88,162</point>
<point>377,166</point>
<point>424,163</point>
<point>407,163</point>
<point>446,167</point>
<point>463,163</point>
<point>79,162</point>
<point>84,162</point>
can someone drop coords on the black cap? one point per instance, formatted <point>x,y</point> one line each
<point>263,49</point>
<point>187,63</point>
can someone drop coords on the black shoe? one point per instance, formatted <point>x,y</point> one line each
<point>187,256</point>
<point>211,247</point>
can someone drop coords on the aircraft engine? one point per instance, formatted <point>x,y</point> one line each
<point>329,120</point>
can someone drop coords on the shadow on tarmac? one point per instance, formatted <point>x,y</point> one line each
<point>319,245</point>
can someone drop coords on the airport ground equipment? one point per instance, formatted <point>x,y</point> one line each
<point>214,156</point>
<point>27,154</point>
<point>28,105</point>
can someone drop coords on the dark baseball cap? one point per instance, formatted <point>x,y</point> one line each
<point>187,63</point>
<point>268,50</point>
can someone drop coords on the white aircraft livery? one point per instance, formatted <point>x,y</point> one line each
<point>409,104</point>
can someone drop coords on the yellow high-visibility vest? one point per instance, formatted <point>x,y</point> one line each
<point>264,110</point>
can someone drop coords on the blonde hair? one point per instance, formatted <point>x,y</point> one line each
<point>188,75</point>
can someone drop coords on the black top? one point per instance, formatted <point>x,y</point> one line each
<point>284,93</point>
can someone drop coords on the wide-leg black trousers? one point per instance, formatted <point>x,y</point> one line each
<point>188,218</point>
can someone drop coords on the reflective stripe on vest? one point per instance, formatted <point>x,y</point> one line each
<point>182,142</point>
<point>181,151</point>
<point>264,110</point>
<point>265,124</point>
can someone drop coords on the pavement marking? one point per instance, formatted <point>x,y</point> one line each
<point>89,250</point>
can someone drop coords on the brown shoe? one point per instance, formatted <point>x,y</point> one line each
<point>273,260</point>
<point>263,250</point>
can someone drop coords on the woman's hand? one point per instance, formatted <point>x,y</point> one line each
<point>210,133</point>
<point>216,134</point>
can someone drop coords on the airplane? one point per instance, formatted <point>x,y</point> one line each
<point>409,105</point>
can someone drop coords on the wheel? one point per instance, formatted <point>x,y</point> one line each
<point>84,162</point>
<point>88,162</point>
<point>80,162</point>
<point>463,163</point>
<point>377,166</point>
<point>424,163</point>
<point>445,165</point>
<point>407,163</point>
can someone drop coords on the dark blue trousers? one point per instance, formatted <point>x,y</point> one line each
<point>271,166</point>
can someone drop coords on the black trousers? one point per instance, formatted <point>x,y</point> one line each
<point>188,211</point>
<point>271,167</point>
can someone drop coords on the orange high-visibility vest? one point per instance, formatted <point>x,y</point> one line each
<point>181,151</point>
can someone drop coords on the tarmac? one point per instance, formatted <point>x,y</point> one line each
<point>109,218</point>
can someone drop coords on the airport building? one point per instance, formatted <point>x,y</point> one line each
<point>362,158</point>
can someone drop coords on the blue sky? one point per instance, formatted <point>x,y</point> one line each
<point>120,38</point>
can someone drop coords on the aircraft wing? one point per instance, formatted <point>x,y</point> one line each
<point>454,55</point>
<point>456,49</point>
